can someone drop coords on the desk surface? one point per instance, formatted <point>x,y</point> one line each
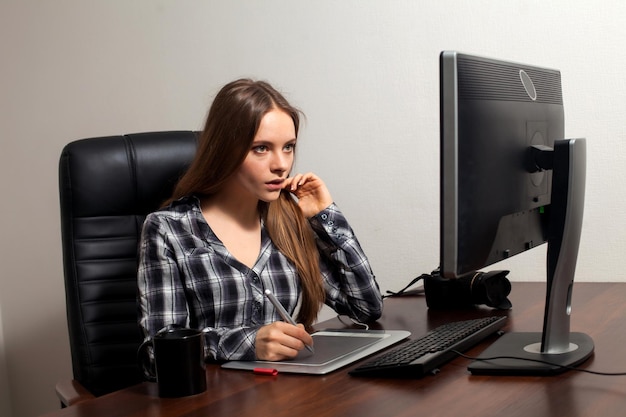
<point>598,310</point>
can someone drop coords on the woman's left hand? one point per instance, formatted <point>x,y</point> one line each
<point>312,194</point>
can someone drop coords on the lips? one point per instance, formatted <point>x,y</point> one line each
<point>275,184</point>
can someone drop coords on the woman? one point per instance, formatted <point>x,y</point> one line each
<point>233,228</point>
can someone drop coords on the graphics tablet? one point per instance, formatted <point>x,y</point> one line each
<point>333,350</point>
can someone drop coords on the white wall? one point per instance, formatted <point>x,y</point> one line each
<point>366,74</point>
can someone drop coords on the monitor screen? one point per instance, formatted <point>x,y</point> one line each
<point>510,181</point>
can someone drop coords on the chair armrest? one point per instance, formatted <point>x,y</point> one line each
<point>71,392</point>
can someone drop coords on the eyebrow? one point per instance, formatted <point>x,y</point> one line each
<point>265,142</point>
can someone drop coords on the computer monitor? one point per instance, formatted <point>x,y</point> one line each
<point>510,182</point>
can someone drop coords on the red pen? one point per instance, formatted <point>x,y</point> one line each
<point>265,371</point>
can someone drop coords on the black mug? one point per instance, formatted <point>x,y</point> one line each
<point>179,369</point>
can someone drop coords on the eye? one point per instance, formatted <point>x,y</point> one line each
<point>260,149</point>
<point>290,147</point>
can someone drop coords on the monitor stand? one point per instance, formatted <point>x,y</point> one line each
<point>556,349</point>
<point>520,354</point>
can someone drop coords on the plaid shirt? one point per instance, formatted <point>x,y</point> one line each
<point>187,277</point>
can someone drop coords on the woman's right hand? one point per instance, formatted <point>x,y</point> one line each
<point>279,341</point>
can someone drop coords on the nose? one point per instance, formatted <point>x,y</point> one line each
<point>281,162</point>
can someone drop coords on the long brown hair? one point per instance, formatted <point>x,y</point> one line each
<point>231,125</point>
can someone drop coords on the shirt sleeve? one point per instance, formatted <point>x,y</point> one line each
<point>350,284</point>
<point>163,296</point>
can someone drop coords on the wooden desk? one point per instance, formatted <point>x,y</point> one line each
<point>598,310</point>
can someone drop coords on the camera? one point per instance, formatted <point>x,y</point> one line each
<point>489,288</point>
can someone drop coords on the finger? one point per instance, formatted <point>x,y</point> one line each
<point>289,335</point>
<point>306,337</point>
<point>299,337</point>
<point>301,180</point>
<point>288,183</point>
<point>278,352</point>
<point>309,176</point>
<point>297,181</point>
<point>273,343</point>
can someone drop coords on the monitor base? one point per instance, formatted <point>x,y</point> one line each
<point>520,350</point>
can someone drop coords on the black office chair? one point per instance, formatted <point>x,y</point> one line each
<point>107,187</point>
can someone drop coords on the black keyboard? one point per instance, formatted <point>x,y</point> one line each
<point>416,358</point>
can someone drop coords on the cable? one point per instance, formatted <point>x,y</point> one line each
<point>571,368</point>
<point>404,291</point>
<point>358,323</point>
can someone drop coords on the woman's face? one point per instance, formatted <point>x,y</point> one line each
<point>270,159</point>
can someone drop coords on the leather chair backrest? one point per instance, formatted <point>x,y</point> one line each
<point>107,186</point>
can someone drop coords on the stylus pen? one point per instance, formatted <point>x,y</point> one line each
<point>283,313</point>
